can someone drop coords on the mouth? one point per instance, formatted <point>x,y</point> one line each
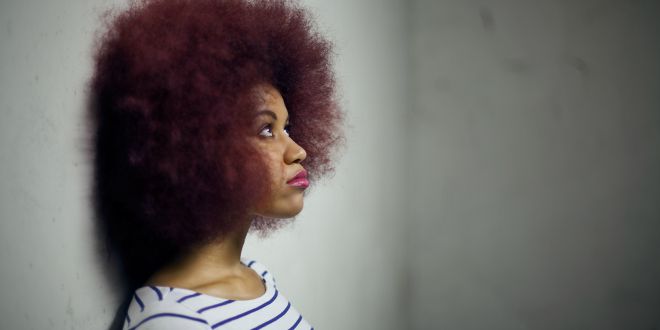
<point>300,180</point>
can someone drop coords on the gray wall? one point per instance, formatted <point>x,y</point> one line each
<point>502,170</point>
<point>49,277</point>
<point>535,162</point>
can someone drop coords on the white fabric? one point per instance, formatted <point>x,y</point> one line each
<point>165,308</point>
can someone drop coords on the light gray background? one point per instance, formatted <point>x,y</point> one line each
<point>535,153</point>
<point>502,170</point>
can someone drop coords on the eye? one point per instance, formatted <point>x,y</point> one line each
<point>267,131</point>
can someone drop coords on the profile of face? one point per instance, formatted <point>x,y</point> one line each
<point>283,156</point>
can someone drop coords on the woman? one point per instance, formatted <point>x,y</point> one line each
<point>211,119</point>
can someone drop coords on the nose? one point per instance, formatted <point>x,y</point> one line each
<point>294,152</point>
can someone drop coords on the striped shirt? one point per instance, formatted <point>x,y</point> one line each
<point>167,308</point>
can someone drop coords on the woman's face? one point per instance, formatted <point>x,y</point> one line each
<point>283,155</point>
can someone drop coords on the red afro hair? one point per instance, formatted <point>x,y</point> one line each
<point>171,101</point>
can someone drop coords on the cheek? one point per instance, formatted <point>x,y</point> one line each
<point>276,169</point>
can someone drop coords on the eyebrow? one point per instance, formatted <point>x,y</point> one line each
<point>270,113</point>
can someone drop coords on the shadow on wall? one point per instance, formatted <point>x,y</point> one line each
<point>124,266</point>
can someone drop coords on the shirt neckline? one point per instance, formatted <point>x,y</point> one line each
<point>264,296</point>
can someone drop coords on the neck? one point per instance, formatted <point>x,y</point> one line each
<point>222,254</point>
<point>206,263</point>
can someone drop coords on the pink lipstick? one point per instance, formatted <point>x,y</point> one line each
<point>300,180</point>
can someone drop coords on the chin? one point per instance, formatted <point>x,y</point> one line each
<point>278,215</point>
<point>296,212</point>
<point>283,208</point>
<point>289,211</point>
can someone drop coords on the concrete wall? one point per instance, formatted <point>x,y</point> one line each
<point>535,162</point>
<point>502,170</point>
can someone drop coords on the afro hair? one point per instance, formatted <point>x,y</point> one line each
<point>170,103</point>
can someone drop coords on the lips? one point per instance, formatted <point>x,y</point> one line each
<point>300,180</point>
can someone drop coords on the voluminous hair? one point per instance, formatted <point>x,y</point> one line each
<point>172,99</point>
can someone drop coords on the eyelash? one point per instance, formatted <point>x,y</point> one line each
<point>270,127</point>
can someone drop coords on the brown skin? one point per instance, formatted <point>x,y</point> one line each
<point>215,269</point>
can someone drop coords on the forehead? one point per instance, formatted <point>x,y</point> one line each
<point>269,94</point>
<point>271,99</point>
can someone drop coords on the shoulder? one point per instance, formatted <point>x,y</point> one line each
<point>260,269</point>
<point>158,308</point>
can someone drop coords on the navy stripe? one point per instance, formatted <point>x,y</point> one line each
<point>188,296</point>
<point>139,301</point>
<point>214,306</point>
<point>273,319</point>
<point>246,313</point>
<point>296,324</point>
<point>160,295</point>
<point>250,264</point>
<point>171,288</point>
<point>169,314</point>
<point>264,273</point>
